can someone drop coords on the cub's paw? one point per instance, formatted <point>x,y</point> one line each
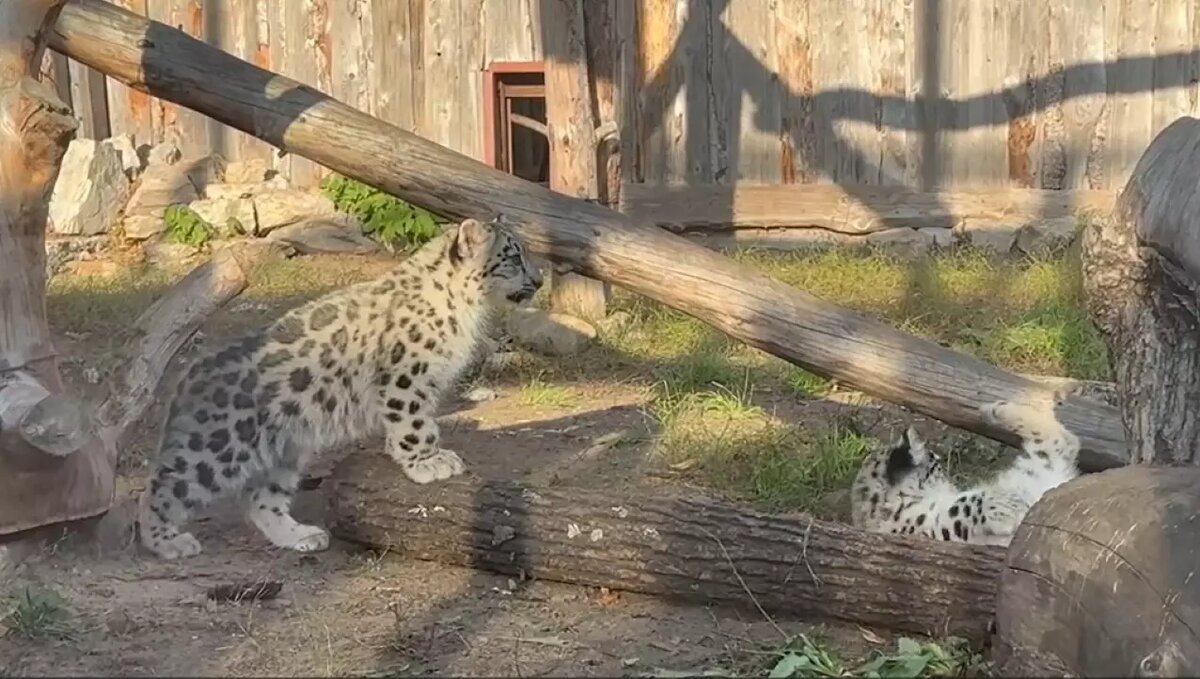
<point>437,467</point>
<point>181,546</point>
<point>309,539</point>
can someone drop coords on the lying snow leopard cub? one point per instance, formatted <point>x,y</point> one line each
<point>376,355</point>
<point>903,488</point>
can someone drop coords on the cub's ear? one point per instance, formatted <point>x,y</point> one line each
<point>471,240</point>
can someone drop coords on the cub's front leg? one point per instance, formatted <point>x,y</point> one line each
<point>413,438</point>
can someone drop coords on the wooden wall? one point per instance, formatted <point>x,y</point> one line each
<point>922,93</point>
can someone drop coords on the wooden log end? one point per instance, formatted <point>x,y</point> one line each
<point>1100,579</point>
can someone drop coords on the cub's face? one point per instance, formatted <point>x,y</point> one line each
<point>504,266</point>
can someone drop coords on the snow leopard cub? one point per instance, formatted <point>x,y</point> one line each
<point>373,356</point>
<point>903,489</point>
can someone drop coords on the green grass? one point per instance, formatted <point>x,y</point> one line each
<point>38,613</point>
<point>539,394</point>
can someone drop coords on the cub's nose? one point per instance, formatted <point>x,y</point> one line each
<point>535,279</point>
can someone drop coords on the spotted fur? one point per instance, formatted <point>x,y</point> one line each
<point>370,357</point>
<point>904,489</point>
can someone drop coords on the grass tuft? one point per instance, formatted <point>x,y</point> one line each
<point>912,659</point>
<point>39,613</point>
<point>539,394</point>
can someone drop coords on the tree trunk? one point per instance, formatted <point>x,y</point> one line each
<point>736,299</point>
<point>684,548</point>
<point>57,462</point>
<point>1142,279</point>
<point>50,464</point>
<point>571,129</point>
<point>1100,579</point>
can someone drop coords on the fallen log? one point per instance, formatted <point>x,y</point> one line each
<point>1100,579</point>
<point>686,548</point>
<point>576,235</point>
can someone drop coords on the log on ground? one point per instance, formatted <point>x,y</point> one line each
<point>690,549</point>
<point>584,237</point>
<point>1142,280</point>
<point>1101,579</point>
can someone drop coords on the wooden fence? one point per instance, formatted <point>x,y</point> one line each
<point>921,93</point>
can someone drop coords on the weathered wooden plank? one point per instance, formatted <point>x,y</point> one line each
<point>847,209</point>
<point>129,109</point>
<point>186,129</point>
<point>1051,162</point>
<point>471,63</point>
<point>1017,20</point>
<point>89,100</point>
<point>1132,109</point>
<point>659,157</point>
<point>628,84</point>
<point>754,62</point>
<point>692,160</point>
<point>830,55</point>
<point>353,54</point>
<point>514,30</point>
<point>1172,40</point>
<point>1083,34</point>
<point>890,23</point>
<point>397,81</point>
<point>442,115</point>
<point>798,161</point>
<point>232,26</point>
<point>300,49</point>
<point>979,161</point>
<point>603,65</point>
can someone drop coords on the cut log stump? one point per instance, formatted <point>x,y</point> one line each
<point>1102,579</point>
<point>690,549</point>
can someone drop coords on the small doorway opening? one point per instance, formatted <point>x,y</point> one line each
<point>515,132</point>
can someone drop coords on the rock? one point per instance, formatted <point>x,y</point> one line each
<point>901,241</point>
<point>280,208</point>
<point>160,253</point>
<point>142,227</point>
<point>204,171</point>
<point>997,237</point>
<point>229,189</point>
<point>164,153</point>
<point>160,187</point>
<point>1047,236</point>
<point>131,162</point>
<point>230,216</point>
<point>549,334</point>
<point>252,171</point>
<point>943,237</point>
<point>90,191</point>
<point>334,234</point>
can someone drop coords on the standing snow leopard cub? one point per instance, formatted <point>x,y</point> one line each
<point>372,356</point>
<point>903,489</point>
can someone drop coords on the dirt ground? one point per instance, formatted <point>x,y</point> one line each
<point>350,612</point>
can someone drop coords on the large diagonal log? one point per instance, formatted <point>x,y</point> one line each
<point>577,235</point>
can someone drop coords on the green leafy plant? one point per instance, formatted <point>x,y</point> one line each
<point>184,226</point>
<point>39,613</point>
<point>912,660</point>
<point>386,219</point>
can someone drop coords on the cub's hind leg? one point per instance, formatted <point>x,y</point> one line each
<point>191,474</point>
<point>270,510</point>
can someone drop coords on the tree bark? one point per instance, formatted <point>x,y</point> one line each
<point>55,464</point>
<point>571,129</point>
<point>598,242</point>
<point>684,548</point>
<point>1100,579</point>
<point>1142,280</point>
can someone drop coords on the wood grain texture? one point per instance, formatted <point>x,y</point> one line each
<point>848,209</point>
<point>1099,579</point>
<point>1142,279</point>
<point>571,127</point>
<point>588,238</point>
<point>51,468</point>
<point>692,549</point>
